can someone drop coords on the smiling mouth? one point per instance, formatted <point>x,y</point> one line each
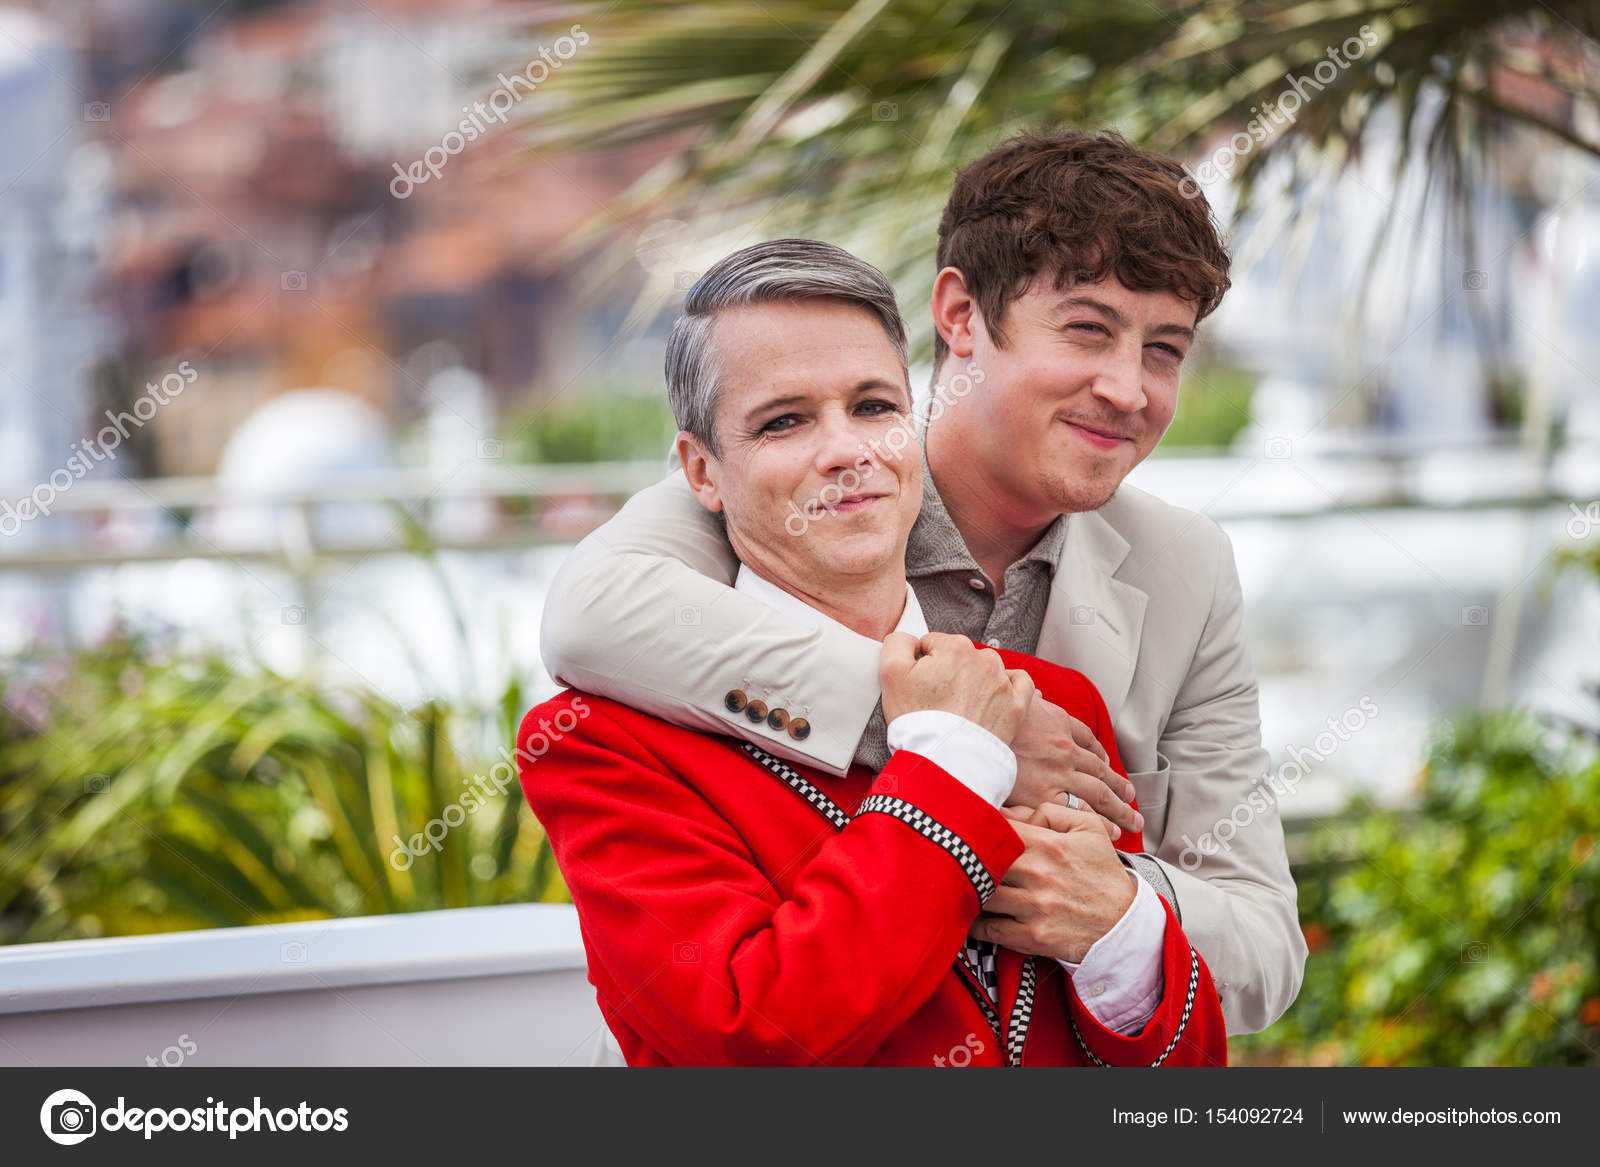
<point>855,502</point>
<point>1104,439</point>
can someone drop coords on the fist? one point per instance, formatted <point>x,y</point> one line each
<point>946,671</point>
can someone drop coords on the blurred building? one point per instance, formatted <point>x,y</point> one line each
<point>255,234</point>
<point>52,187</point>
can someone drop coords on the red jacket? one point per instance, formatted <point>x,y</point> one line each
<point>739,910</point>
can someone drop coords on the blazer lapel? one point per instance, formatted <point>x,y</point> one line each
<point>1093,620</point>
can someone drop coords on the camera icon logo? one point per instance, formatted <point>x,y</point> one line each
<point>1475,281</point>
<point>686,952</point>
<point>686,615</point>
<point>885,111</point>
<point>293,952</point>
<point>1474,951</point>
<point>68,1117</point>
<point>1082,615</point>
<point>294,614</point>
<point>294,281</point>
<point>96,111</point>
<point>491,449</point>
<point>96,783</point>
<point>1475,616</point>
<point>1278,448</point>
<point>685,280</point>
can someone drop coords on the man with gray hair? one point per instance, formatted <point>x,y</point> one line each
<point>784,269</point>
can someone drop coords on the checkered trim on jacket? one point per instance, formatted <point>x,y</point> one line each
<point>930,828</point>
<point>800,784</point>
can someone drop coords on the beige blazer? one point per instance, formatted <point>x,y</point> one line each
<point>1145,602</point>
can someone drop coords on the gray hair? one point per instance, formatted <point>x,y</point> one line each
<point>777,271</point>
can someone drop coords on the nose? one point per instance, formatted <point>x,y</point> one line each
<point>1120,380</point>
<point>841,443</point>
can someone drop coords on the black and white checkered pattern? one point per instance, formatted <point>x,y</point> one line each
<point>929,827</point>
<point>1021,1014</point>
<point>1183,1021</point>
<point>980,956</point>
<point>798,782</point>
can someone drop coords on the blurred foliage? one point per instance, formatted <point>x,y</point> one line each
<point>1213,406</point>
<point>605,425</point>
<point>144,793</point>
<point>1586,557</point>
<point>847,118</point>
<point>1465,930</point>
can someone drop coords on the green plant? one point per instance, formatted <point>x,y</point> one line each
<point>1213,406</point>
<point>1464,931</point>
<point>846,118</point>
<point>142,792</point>
<point>602,425</point>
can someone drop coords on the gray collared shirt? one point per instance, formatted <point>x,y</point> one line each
<point>958,596</point>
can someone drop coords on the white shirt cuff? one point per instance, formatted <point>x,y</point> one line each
<point>974,756</point>
<point>1120,979</point>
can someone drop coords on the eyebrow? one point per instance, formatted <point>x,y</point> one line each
<point>867,385</point>
<point>1120,320</point>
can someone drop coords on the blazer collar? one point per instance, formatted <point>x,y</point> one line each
<point>1093,620</point>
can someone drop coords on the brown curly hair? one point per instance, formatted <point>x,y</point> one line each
<point>1083,206</point>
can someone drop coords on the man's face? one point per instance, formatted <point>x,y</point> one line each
<point>820,472</point>
<point>1083,390</point>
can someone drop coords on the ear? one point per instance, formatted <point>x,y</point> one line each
<point>955,312</point>
<point>701,470</point>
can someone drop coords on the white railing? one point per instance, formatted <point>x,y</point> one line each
<point>1375,476</point>
<point>470,986</point>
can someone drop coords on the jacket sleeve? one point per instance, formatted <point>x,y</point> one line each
<point>712,966</point>
<point>642,611</point>
<point>1223,849</point>
<point>1186,1029</point>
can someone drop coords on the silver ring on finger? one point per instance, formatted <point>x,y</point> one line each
<point>1074,802</point>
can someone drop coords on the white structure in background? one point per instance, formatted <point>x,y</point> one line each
<point>493,986</point>
<point>459,442</point>
<point>52,190</point>
<point>1291,313</point>
<point>296,441</point>
<point>394,84</point>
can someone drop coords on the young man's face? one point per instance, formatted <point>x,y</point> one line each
<point>1084,388</point>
